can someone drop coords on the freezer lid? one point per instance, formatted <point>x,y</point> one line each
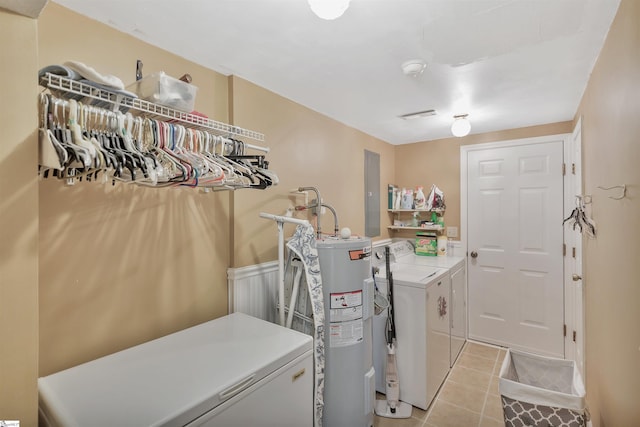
<point>173,379</point>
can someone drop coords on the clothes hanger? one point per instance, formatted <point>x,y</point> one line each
<point>242,174</point>
<point>125,124</point>
<point>230,175</point>
<point>241,168</point>
<point>102,134</point>
<point>52,154</point>
<point>143,146</point>
<point>185,148</point>
<point>173,170</point>
<point>172,137</point>
<point>97,133</point>
<point>79,156</point>
<point>116,145</point>
<point>214,174</point>
<point>580,219</point>
<point>164,134</point>
<point>209,173</point>
<point>76,130</point>
<point>83,121</point>
<point>131,137</point>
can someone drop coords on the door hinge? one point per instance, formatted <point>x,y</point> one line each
<point>573,251</point>
<point>564,169</point>
<point>564,249</point>
<point>564,330</point>
<point>573,168</point>
<point>574,336</point>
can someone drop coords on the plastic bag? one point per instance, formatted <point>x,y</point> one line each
<point>435,200</point>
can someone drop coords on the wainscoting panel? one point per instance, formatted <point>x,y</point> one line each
<point>253,290</point>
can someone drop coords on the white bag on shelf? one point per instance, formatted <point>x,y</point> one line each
<point>435,200</point>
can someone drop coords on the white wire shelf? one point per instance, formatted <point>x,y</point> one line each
<point>78,90</point>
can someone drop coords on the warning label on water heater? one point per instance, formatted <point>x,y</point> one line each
<point>345,318</point>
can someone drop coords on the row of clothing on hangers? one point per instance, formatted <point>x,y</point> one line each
<point>80,141</point>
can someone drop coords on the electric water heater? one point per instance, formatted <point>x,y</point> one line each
<point>349,391</point>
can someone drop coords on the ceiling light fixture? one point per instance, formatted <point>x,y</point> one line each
<point>413,67</point>
<point>461,125</point>
<point>329,9</point>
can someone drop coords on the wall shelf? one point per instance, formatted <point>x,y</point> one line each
<point>73,89</point>
<point>397,213</point>
<point>132,155</point>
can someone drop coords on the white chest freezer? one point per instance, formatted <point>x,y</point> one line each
<point>233,371</point>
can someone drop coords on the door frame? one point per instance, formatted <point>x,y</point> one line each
<point>574,290</point>
<point>569,309</point>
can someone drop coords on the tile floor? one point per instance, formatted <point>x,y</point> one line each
<point>469,396</point>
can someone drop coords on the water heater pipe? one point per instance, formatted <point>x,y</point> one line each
<point>316,205</point>
<point>336,229</point>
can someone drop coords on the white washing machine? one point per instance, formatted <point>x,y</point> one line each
<point>404,253</point>
<point>421,297</point>
<point>236,370</point>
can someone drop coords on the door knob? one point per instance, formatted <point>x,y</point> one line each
<point>576,277</point>
<point>474,254</point>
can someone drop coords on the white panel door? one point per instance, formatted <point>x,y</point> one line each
<point>514,220</point>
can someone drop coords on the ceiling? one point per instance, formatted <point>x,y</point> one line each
<point>506,63</point>
<point>30,8</point>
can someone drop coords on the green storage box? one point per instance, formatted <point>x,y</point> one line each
<point>426,244</point>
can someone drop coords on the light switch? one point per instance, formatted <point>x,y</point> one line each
<point>452,231</point>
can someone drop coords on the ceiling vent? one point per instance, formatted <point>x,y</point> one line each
<point>417,115</point>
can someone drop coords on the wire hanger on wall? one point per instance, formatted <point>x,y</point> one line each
<point>623,194</point>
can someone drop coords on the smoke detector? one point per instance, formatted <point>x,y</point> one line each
<point>413,67</point>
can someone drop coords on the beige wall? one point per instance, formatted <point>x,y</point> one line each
<point>18,221</point>
<point>610,110</point>
<point>307,149</point>
<point>122,264</point>
<point>65,35</point>
<point>438,162</point>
